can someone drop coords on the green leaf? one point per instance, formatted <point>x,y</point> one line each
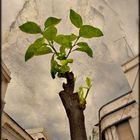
<point>51,21</point>
<point>37,48</point>
<point>76,19</point>
<point>53,73</point>
<point>30,27</point>
<point>71,37</point>
<point>88,81</point>
<point>30,52</point>
<point>81,97</point>
<point>39,42</point>
<point>61,56</point>
<point>81,93</point>
<point>88,31</point>
<point>55,67</point>
<point>62,49</point>
<point>43,50</point>
<point>83,47</point>
<point>33,47</point>
<point>50,33</point>
<point>75,79</point>
<point>64,69</point>
<point>65,62</point>
<point>61,39</point>
<point>65,40</point>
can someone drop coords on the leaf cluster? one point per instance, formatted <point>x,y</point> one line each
<point>83,94</point>
<point>49,39</point>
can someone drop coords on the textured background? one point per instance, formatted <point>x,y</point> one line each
<point>32,96</point>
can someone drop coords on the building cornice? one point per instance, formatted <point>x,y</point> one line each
<point>130,64</point>
<point>17,125</point>
<point>5,72</point>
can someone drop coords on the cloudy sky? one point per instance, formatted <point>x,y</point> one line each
<point>32,96</point>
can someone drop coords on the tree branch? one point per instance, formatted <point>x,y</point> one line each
<point>72,46</point>
<point>69,86</point>
<point>51,45</point>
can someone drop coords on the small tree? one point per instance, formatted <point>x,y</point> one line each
<point>74,103</point>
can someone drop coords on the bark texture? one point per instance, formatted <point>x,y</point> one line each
<point>74,112</point>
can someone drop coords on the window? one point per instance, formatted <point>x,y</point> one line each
<point>124,131</point>
<point>120,131</point>
<point>103,137</point>
<point>41,139</point>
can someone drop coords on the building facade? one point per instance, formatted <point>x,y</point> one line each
<point>10,129</point>
<point>118,119</point>
<point>39,134</point>
<point>4,83</point>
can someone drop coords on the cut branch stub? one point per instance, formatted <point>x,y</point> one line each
<point>73,109</point>
<point>67,96</point>
<point>69,86</point>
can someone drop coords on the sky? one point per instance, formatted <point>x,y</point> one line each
<point>32,96</point>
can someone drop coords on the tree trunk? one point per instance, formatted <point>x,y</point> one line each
<point>73,109</point>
